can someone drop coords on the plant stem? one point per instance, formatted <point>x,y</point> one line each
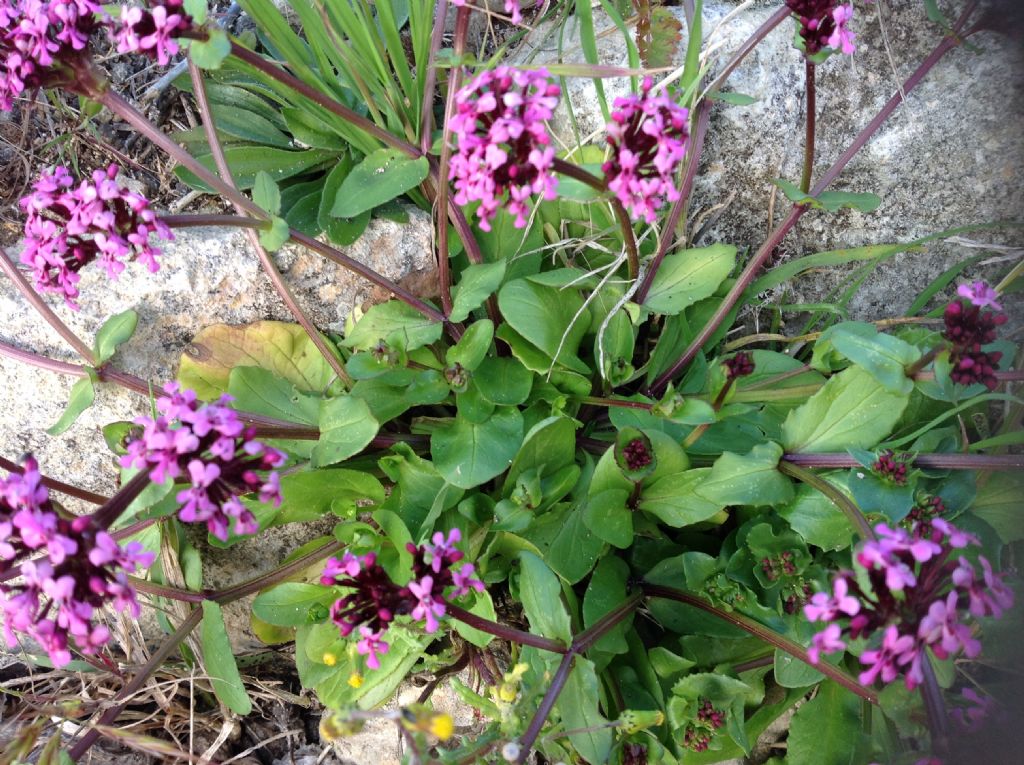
<point>211,219</point>
<point>546,705</point>
<point>840,500</point>
<point>600,185</point>
<point>757,262</point>
<point>43,309</point>
<point>136,683</point>
<point>367,273</point>
<point>166,591</point>
<point>53,483</point>
<point>758,630</point>
<point>123,109</point>
<point>599,401</point>
<point>505,633</point>
<point>329,355</point>
<point>43,362</point>
<point>752,42</point>
<point>913,369</point>
<point>580,643</point>
<point>935,461</point>
<point>805,179</point>
<point>668,234</point>
<point>280,574</point>
<point>111,510</point>
<point>430,77</point>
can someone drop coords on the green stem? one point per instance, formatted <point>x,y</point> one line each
<point>758,630</point>
<point>939,461</point>
<point>840,500</point>
<point>805,179</point>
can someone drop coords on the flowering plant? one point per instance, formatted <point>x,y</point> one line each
<point>626,525</point>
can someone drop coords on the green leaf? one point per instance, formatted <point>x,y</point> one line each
<point>220,661</point>
<point>546,317</point>
<point>472,347</point>
<point>577,705</point>
<point>790,672</point>
<point>605,592</point>
<point>386,401</point>
<point>608,517</point>
<point>210,53</point>
<point>688,276</point>
<point>289,603</point>
<point>266,194</point>
<point>282,348</point>
<point>116,330</point>
<point>541,595</point>
<point>674,500</point>
<point>309,131</point>
<point>467,453</point>
<point>852,410</point>
<point>275,237</point>
<point>346,428</point>
<point>998,504</point>
<point>479,281</point>
<point>733,98</point>
<point>380,177</point>
<point>396,324</point>
<point>260,391</point>
<point>884,356</point>
<point>503,381</point>
<point>815,517</point>
<point>482,606</point>
<point>246,161</point>
<point>310,495</point>
<point>825,729</point>
<point>196,9</point>
<point>81,398</point>
<point>830,200</point>
<point>549,447</point>
<point>749,479</point>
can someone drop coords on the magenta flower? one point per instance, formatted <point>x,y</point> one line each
<point>980,294</point>
<point>841,37</point>
<point>210,445</point>
<point>823,23</point>
<point>81,570</point>
<point>896,651</point>
<point>912,594</point>
<point>43,44</point>
<point>374,600</point>
<point>968,328</point>
<point>68,227</point>
<point>502,142</point>
<point>371,645</point>
<point>427,607</point>
<point>648,136</point>
<point>151,31</point>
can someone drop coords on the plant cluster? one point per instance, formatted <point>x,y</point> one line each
<point>646,537</point>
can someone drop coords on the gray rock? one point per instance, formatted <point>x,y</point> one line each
<point>207,276</point>
<point>948,157</point>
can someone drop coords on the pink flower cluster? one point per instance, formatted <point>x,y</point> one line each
<point>38,39</point>
<point>697,735</point>
<point>502,142</point>
<point>980,294</point>
<point>209,446</point>
<point>648,136</point>
<point>78,569</point>
<point>916,597</point>
<point>67,226</point>
<point>376,600</point>
<point>151,31</point>
<point>968,328</point>
<point>824,23</point>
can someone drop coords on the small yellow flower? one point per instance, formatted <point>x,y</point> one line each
<point>335,725</point>
<point>355,680</point>
<point>442,726</point>
<point>329,658</point>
